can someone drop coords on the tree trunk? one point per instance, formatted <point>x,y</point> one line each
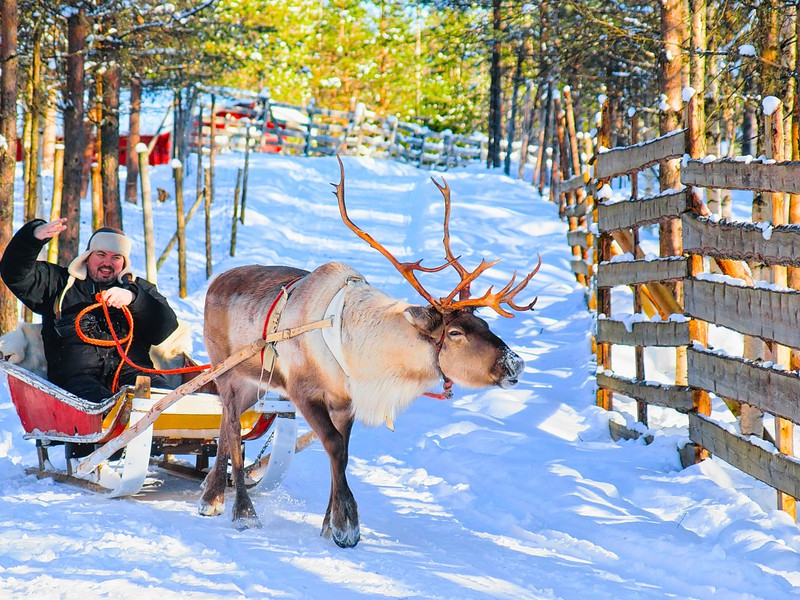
<point>34,98</point>
<point>495,89</point>
<point>74,137</point>
<point>669,120</point>
<point>109,145</point>
<point>134,125</point>
<point>8,146</point>
<point>698,15</point>
<point>516,82</point>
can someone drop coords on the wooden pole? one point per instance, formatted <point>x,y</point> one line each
<point>207,198</point>
<point>246,171</point>
<point>174,238</point>
<point>212,150</point>
<point>88,464</point>
<point>235,212</point>
<point>200,177</point>
<point>55,205</point>
<point>177,175</point>
<point>784,429</point>
<point>97,197</point>
<point>147,214</point>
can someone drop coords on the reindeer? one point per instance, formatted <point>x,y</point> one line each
<point>380,354</point>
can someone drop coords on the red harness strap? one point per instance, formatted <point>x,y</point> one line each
<point>448,383</point>
<point>286,289</point>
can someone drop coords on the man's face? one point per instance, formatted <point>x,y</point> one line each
<point>104,267</point>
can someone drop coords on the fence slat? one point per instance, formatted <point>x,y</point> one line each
<point>764,313</point>
<point>741,241</point>
<point>776,470</point>
<point>677,397</point>
<point>643,333</point>
<point>771,390</point>
<point>641,212</point>
<point>632,272</point>
<point>629,159</point>
<point>735,175</point>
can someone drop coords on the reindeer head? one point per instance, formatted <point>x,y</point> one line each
<point>468,352</point>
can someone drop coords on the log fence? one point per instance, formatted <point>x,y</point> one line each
<point>730,274</point>
<point>278,127</point>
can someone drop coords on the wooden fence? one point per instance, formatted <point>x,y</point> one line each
<point>269,126</point>
<point>738,276</point>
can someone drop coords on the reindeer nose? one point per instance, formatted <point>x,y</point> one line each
<point>514,366</point>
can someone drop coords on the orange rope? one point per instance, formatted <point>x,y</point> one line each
<point>128,339</point>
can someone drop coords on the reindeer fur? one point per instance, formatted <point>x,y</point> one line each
<point>390,350</point>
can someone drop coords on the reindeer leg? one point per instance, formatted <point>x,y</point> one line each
<point>244,513</point>
<point>212,502</point>
<point>333,429</point>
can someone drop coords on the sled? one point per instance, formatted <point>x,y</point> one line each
<point>137,424</point>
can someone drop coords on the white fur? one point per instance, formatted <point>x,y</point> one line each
<point>23,347</point>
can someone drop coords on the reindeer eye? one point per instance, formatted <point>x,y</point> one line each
<point>455,333</point>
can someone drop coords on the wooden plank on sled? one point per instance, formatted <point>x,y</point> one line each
<point>92,461</point>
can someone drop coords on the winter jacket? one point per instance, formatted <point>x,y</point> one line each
<point>39,285</point>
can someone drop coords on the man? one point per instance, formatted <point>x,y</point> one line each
<point>59,294</point>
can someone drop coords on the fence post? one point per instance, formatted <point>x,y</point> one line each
<point>310,110</point>
<point>177,175</point>
<point>235,212</point>
<point>784,429</point>
<point>212,148</point>
<point>207,207</point>
<point>147,213</point>
<point>246,171</point>
<point>151,269</point>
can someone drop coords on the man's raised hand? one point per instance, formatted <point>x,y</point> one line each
<point>50,230</point>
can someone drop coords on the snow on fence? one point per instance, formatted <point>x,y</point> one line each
<point>739,276</point>
<point>269,126</point>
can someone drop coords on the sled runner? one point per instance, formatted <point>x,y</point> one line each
<point>140,423</point>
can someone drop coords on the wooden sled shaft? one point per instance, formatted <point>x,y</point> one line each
<point>91,462</point>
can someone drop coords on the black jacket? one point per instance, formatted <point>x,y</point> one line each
<point>38,284</point>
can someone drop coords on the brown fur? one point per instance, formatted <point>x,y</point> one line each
<point>390,351</point>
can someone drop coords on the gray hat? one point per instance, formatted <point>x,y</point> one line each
<point>108,239</point>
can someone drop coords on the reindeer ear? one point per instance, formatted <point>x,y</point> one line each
<point>426,319</point>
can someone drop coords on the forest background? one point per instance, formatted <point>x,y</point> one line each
<point>446,64</point>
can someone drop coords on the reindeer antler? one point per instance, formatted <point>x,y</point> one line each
<point>490,299</point>
<point>406,269</point>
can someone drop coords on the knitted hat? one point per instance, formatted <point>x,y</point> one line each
<point>107,239</point>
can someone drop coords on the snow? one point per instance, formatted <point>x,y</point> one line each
<point>770,104</point>
<point>517,493</point>
<point>747,50</point>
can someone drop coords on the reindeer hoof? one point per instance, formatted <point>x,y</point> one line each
<point>242,523</point>
<point>344,538</point>
<point>211,509</point>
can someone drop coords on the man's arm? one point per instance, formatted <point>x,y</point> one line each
<point>152,313</point>
<point>32,281</point>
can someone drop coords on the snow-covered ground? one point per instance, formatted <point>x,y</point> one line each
<point>516,494</point>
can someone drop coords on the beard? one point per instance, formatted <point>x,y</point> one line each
<point>102,275</point>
